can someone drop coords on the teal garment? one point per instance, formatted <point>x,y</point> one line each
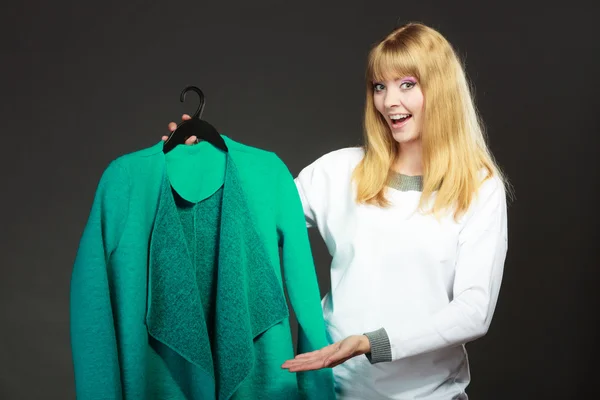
<point>177,290</point>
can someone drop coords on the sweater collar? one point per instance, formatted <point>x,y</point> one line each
<point>246,288</point>
<point>405,183</point>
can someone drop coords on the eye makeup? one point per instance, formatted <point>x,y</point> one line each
<point>409,79</point>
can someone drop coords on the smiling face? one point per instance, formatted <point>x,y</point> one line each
<point>400,102</point>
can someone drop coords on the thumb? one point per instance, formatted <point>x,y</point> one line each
<point>341,353</point>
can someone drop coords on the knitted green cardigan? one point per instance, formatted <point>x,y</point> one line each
<point>177,290</point>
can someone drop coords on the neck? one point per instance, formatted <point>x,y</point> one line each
<point>410,158</point>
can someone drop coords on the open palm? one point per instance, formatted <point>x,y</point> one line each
<point>329,356</point>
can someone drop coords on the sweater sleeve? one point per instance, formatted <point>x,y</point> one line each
<point>93,339</point>
<point>302,286</point>
<point>482,248</point>
<point>381,350</point>
<point>303,184</point>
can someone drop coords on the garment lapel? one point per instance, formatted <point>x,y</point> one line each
<point>249,295</point>
<point>174,314</point>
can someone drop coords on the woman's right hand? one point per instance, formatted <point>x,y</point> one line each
<point>173,126</point>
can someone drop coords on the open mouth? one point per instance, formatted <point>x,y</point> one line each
<point>399,120</point>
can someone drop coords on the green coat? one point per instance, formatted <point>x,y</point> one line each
<point>177,290</point>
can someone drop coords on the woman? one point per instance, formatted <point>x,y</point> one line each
<point>416,223</point>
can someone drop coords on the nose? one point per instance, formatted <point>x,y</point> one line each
<point>391,99</point>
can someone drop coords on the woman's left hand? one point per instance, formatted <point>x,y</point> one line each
<point>330,356</point>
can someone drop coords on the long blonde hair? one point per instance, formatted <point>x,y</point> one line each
<point>453,139</point>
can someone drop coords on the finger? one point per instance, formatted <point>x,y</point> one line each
<point>321,353</point>
<point>310,366</point>
<point>309,354</point>
<point>296,362</point>
<point>289,364</point>
<point>344,353</point>
<point>335,364</point>
<point>316,360</point>
<point>330,348</point>
<point>191,140</point>
<point>185,117</point>
<point>172,126</point>
<point>338,356</point>
<point>164,137</point>
<point>307,366</point>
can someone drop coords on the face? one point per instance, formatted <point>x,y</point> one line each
<point>400,102</point>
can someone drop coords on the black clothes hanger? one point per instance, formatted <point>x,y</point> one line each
<point>194,127</point>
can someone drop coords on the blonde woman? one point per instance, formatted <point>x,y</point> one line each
<point>416,223</point>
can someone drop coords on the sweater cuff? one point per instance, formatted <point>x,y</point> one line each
<point>381,350</point>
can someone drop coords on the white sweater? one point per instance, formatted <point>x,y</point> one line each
<point>432,286</point>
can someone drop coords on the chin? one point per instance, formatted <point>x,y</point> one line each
<point>405,137</point>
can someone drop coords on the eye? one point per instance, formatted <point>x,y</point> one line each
<point>407,85</point>
<point>378,87</point>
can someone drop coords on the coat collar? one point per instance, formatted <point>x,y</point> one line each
<point>249,296</point>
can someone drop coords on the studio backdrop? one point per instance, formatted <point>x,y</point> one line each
<point>83,83</point>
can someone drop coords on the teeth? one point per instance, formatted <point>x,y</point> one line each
<point>399,116</point>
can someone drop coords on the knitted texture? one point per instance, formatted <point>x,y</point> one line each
<point>405,183</point>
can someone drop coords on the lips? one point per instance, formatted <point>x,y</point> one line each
<point>400,120</point>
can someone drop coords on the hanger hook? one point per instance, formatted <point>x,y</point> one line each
<point>200,108</point>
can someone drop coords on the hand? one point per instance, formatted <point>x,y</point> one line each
<point>173,126</point>
<point>330,356</point>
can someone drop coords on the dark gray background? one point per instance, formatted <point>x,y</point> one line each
<point>84,82</point>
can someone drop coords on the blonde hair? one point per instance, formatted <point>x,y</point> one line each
<point>454,147</point>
